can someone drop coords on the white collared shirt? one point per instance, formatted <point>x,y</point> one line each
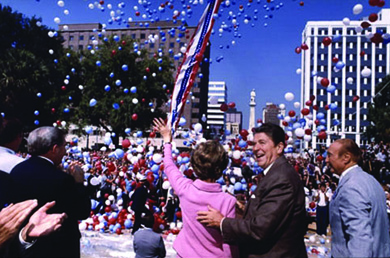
<point>47,159</point>
<point>265,171</point>
<point>346,172</point>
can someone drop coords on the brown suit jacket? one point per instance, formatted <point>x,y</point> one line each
<point>274,222</point>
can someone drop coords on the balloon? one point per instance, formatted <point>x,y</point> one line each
<point>357,9</point>
<point>92,102</point>
<point>291,113</point>
<point>305,111</point>
<point>224,107</point>
<point>289,96</point>
<point>331,89</point>
<point>282,106</point>
<point>307,137</point>
<point>322,135</point>
<point>198,127</point>
<point>237,186</point>
<point>107,140</point>
<point>125,143</point>
<point>236,154</point>
<point>133,89</point>
<point>326,41</point>
<point>346,21</point>
<point>242,144</point>
<point>125,67</point>
<point>115,106</point>
<point>244,133</point>
<point>118,82</point>
<point>107,88</point>
<point>340,65</point>
<point>297,104</point>
<point>320,115</point>
<point>157,158</point>
<point>366,72</point>
<point>299,132</point>
<point>325,82</point>
<point>350,80</point>
<point>298,71</point>
<point>355,98</point>
<point>298,50</point>
<point>231,105</point>
<point>134,117</point>
<point>166,185</point>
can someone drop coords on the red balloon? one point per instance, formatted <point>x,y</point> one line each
<point>308,131</point>
<point>315,107</point>
<point>326,107</point>
<point>101,2</point>
<point>284,123</point>
<point>335,59</point>
<point>259,121</point>
<point>355,98</point>
<point>362,53</point>
<point>312,205</point>
<point>373,17</point>
<point>309,103</point>
<point>317,122</point>
<point>322,135</point>
<point>152,134</point>
<point>325,82</point>
<point>304,46</point>
<point>365,25</point>
<point>298,50</point>
<point>244,133</point>
<point>137,13</point>
<point>232,105</point>
<point>373,2</point>
<point>118,231</point>
<point>63,88</point>
<point>224,107</point>
<point>126,143</point>
<point>178,214</point>
<point>326,41</point>
<point>377,38</point>
<point>134,117</point>
<point>147,69</point>
<point>301,3</point>
<point>291,113</point>
<point>381,3</point>
<point>53,110</point>
<point>107,209</point>
<point>123,42</point>
<point>113,52</point>
<point>312,97</point>
<point>305,111</point>
<point>124,169</point>
<point>150,178</point>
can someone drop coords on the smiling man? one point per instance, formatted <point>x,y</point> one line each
<point>274,221</point>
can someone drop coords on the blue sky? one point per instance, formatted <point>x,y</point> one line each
<point>262,57</point>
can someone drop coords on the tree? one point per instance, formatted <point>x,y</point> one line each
<point>379,112</point>
<point>28,74</point>
<point>117,64</point>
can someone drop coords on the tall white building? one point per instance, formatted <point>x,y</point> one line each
<point>217,95</point>
<point>353,47</point>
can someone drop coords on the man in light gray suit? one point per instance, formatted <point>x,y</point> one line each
<point>358,219</point>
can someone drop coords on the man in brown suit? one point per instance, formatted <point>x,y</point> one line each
<point>274,221</point>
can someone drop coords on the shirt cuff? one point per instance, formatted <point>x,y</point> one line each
<point>25,245</point>
<point>220,225</point>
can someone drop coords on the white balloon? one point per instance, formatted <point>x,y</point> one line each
<point>166,185</point>
<point>60,3</point>
<point>350,80</point>
<point>107,202</point>
<point>233,180</point>
<point>94,181</point>
<point>236,154</point>
<point>198,127</point>
<point>290,140</point>
<point>140,149</point>
<point>346,21</point>
<point>157,157</point>
<point>307,137</point>
<point>121,174</point>
<point>135,101</point>
<point>282,106</point>
<point>183,49</point>
<point>298,71</point>
<point>287,119</point>
<point>51,51</point>
<point>358,29</point>
<point>289,133</point>
<point>299,132</point>
<point>319,78</point>
<point>357,9</point>
<point>366,72</point>
<point>297,104</point>
<point>83,226</point>
<point>289,96</point>
<point>63,123</point>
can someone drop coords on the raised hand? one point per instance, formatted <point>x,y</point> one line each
<point>163,129</point>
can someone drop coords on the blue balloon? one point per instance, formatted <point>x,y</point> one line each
<point>66,110</point>
<point>92,102</point>
<point>139,133</point>
<point>36,112</point>
<point>127,130</point>
<point>280,116</point>
<point>88,129</point>
<point>322,121</point>
<point>39,94</point>
<point>112,75</point>
<point>119,153</point>
<point>118,82</point>
<point>320,115</point>
<point>340,65</point>
<point>242,144</point>
<point>133,89</point>
<point>237,186</point>
<point>98,63</point>
<point>115,106</point>
<point>126,90</point>
<point>36,122</point>
<point>155,168</point>
<point>253,188</point>
<point>128,224</point>
<point>125,68</point>
<point>107,88</point>
<point>113,134</point>
<point>186,159</point>
<point>336,122</point>
<point>331,88</point>
<point>107,140</point>
<point>296,125</point>
<point>333,106</point>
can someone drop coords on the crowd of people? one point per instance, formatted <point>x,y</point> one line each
<point>261,211</point>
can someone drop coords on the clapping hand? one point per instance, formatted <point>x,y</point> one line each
<point>163,129</point>
<point>76,171</point>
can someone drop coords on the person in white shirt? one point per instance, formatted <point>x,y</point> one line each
<point>11,136</point>
<point>322,213</point>
<point>228,188</point>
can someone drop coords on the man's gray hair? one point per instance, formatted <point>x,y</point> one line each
<point>42,139</point>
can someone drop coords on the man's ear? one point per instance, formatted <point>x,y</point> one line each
<point>280,147</point>
<point>347,157</point>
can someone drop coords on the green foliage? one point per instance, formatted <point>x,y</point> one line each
<point>379,112</point>
<point>69,80</point>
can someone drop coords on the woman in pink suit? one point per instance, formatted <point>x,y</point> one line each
<point>208,160</point>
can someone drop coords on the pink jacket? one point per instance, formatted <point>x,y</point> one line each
<point>196,240</point>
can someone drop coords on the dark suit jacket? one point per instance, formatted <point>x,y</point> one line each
<point>139,199</point>
<point>274,221</point>
<point>37,178</point>
<point>5,188</point>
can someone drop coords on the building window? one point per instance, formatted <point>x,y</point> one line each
<point>322,57</point>
<point>171,44</point>
<point>364,117</point>
<point>350,116</point>
<point>351,45</point>
<point>380,80</point>
<point>365,93</point>
<point>365,81</point>
<point>380,57</point>
<point>350,92</point>
<point>81,37</point>
<point>321,92</point>
<point>71,38</point>
<point>81,47</point>
<point>71,47</point>
<point>350,57</point>
<point>321,103</point>
<point>350,104</point>
<point>380,69</point>
<point>142,35</point>
<point>337,45</point>
<point>351,69</point>
<point>365,45</point>
<point>336,92</point>
<point>133,36</point>
<point>380,45</point>
<point>365,57</point>
<point>336,80</point>
<point>364,104</point>
<point>350,128</point>
<point>322,68</point>
<point>336,115</point>
<point>151,45</point>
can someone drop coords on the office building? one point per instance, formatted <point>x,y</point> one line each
<point>270,114</point>
<point>216,119</point>
<point>343,53</point>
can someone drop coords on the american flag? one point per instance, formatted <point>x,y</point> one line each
<point>187,71</point>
